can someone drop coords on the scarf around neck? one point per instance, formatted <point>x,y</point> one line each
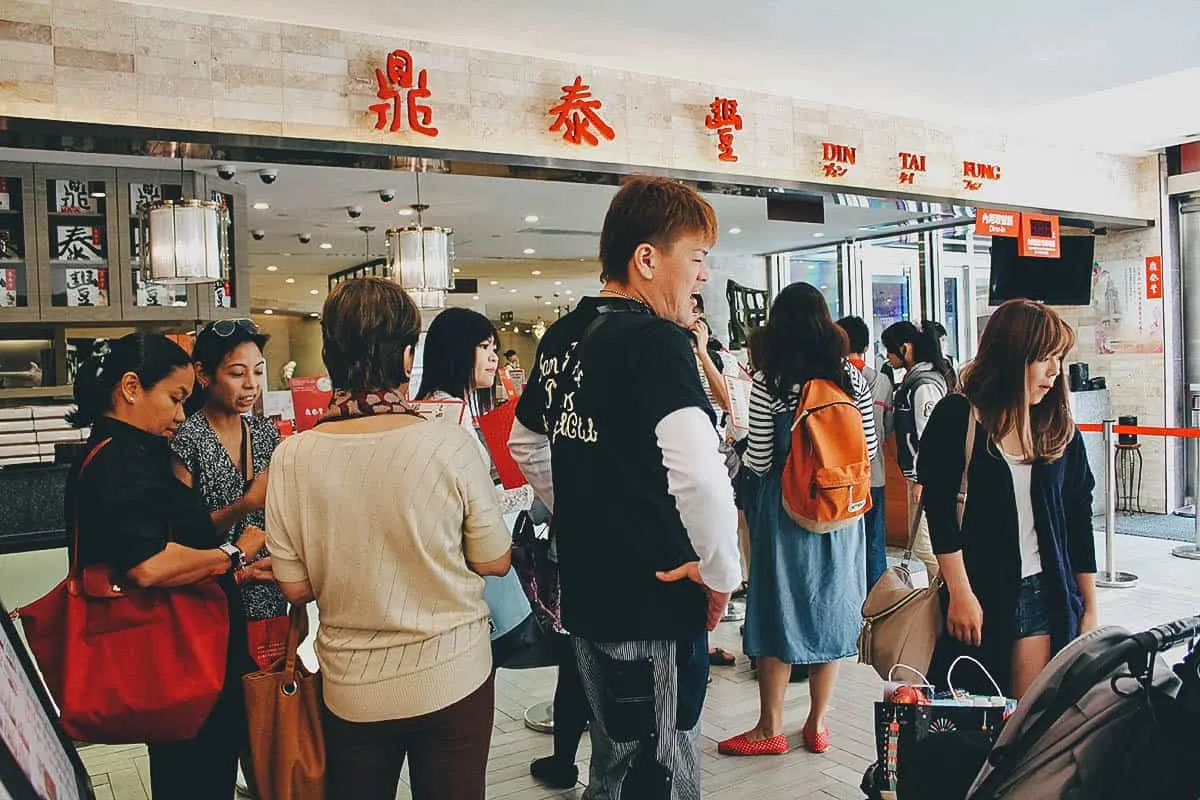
<point>366,403</point>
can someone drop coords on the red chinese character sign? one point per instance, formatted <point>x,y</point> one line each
<point>837,159</point>
<point>577,113</point>
<point>723,117</point>
<point>1154,278</point>
<point>399,94</point>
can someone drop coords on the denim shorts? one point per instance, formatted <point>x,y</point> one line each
<point>1032,615</point>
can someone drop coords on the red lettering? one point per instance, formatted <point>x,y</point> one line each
<point>908,177</point>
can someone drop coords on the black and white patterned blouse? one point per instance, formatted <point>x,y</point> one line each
<point>221,483</point>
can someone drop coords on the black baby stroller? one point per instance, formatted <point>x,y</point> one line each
<point>1105,719</point>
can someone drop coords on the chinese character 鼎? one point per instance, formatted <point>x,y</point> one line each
<point>396,89</point>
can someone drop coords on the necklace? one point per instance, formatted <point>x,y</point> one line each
<point>624,296</point>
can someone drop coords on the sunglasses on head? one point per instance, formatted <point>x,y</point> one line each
<point>226,327</point>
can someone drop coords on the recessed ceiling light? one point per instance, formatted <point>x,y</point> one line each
<point>314,291</point>
<point>536,272</point>
<point>268,311</point>
<point>289,280</point>
<point>549,303</point>
<point>326,246</point>
<point>405,212</point>
<point>495,283</point>
<point>286,255</point>
<point>457,270</point>
<point>272,268</point>
<point>476,297</point>
<point>512,291</point>
<point>314,315</point>
<point>531,218</point>
<point>261,206</point>
<point>558,283</point>
<point>570,291</point>
<point>818,235</point>
<point>529,251</point>
<point>735,231</point>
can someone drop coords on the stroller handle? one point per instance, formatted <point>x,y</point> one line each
<point>1164,637</point>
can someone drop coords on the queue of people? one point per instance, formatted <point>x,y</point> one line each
<point>388,522</point>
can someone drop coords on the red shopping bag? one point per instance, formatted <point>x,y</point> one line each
<point>128,665</point>
<point>496,426</point>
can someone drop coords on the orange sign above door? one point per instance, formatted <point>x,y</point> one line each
<point>1039,236</point>
<point>997,223</point>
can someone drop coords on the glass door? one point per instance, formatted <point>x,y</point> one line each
<point>890,269</point>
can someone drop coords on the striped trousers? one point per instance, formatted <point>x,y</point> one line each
<point>646,698</point>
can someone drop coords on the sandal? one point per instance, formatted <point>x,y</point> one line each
<point>720,658</point>
<point>740,592</point>
<point>742,745</point>
<point>816,742</point>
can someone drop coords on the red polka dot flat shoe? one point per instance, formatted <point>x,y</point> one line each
<point>816,742</point>
<point>743,745</point>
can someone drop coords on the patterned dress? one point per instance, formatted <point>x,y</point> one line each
<point>221,483</point>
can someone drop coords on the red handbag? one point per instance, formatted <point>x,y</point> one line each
<point>128,665</point>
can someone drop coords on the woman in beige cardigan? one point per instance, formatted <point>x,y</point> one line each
<point>388,521</point>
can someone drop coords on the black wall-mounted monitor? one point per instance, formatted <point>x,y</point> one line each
<point>1063,281</point>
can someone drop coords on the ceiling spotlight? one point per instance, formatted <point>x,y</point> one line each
<point>549,303</point>
<point>405,212</point>
<point>529,251</point>
<point>272,268</point>
<point>326,246</point>
<point>289,280</point>
<point>476,297</point>
<point>536,272</point>
<point>99,195</point>
<point>314,291</point>
<point>512,291</point>
<point>531,218</point>
<point>268,311</point>
<point>570,291</point>
<point>558,283</point>
<point>314,315</point>
<point>261,206</point>
<point>457,270</point>
<point>735,231</point>
<point>818,235</point>
<point>495,283</point>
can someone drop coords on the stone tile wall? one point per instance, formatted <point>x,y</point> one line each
<point>105,61</point>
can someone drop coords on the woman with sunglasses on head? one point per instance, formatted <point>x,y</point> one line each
<point>1020,571</point>
<point>135,517</point>
<point>224,454</point>
<point>460,362</point>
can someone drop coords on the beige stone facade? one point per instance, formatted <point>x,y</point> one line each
<point>104,61</point>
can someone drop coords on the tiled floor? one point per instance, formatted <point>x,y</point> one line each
<point>1169,588</point>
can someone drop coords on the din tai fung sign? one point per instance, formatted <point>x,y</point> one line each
<point>403,101</point>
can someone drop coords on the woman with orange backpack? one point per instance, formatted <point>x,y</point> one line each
<point>808,546</point>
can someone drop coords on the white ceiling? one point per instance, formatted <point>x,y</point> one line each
<point>1030,67</point>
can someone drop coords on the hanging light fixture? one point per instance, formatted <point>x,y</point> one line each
<point>421,259</point>
<point>184,241</point>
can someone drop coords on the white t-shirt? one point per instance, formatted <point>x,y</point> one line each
<point>1022,477</point>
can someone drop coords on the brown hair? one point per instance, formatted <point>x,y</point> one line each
<point>366,326</point>
<point>653,211</point>
<point>1019,333</point>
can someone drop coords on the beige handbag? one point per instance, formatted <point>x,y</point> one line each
<point>901,624</point>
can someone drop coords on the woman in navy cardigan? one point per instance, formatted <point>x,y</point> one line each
<point>1020,573</point>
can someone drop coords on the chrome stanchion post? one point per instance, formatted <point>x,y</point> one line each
<point>1192,551</point>
<point>1110,577</point>
<point>540,717</point>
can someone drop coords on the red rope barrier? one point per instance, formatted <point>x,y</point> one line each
<point>1180,433</point>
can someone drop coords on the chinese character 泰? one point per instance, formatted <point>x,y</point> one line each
<point>724,118</point>
<point>576,115</point>
<point>396,86</point>
<point>77,243</point>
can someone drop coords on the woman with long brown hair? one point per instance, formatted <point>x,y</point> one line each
<point>1020,572</point>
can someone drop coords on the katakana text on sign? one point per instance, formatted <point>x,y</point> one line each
<point>578,113</point>
<point>398,94</point>
<point>836,159</point>
<point>976,173</point>
<point>723,117</point>
<point>911,164</point>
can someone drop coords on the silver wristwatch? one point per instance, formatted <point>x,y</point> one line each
<point>236,559</point>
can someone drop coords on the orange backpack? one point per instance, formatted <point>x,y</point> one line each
<point>827,476</point>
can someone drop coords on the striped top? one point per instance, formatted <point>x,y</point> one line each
<point>760,452</point>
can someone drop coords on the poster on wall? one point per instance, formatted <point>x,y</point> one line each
<point>78,243</point>
<point>1127,320</point>
<point>72,197</point>
<point>87,287</point>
